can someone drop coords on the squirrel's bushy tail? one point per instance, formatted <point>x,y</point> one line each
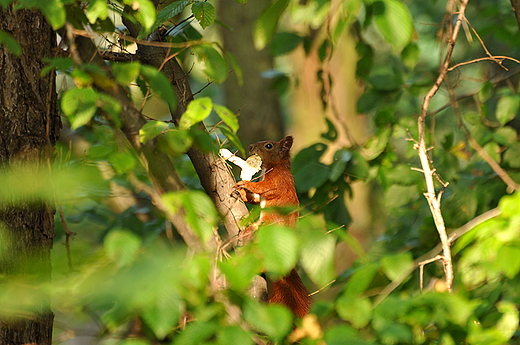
<point>290,292</point>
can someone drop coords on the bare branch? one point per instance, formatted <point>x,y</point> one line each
<point>433,201</point>
<point>454,235</point>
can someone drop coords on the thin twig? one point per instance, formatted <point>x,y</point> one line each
<point>434,202</point>
<point>68,234</point>
<point>421,268</point>
<point>494,58</point>
<point>454,235</point>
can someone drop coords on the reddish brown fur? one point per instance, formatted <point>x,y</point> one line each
<point>277,189</point>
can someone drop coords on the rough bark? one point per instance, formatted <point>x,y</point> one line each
<point>30,126</point>
<point>260,112</point>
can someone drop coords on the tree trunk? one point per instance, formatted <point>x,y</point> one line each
<point>260,113</point>
<point>29,127</point>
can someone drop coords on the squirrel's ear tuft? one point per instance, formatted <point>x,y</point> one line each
<point>287,142</point>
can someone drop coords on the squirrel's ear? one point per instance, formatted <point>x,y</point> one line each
<point>286,142</point>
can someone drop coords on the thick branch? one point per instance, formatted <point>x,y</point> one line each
<point>158,165</point>
<point>433,200</point>
<point>516,9</point>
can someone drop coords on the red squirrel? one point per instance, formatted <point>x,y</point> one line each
<point>277,190</point>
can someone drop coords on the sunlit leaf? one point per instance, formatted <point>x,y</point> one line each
<point>266,25</point>
<point>196,333</point>
<point>394,265</point>
<point>97,9</point>
<point>227,116</point>
<point>198,110</point>
<point>355,310</point>
<point>79,105</point>
<point>233,335</point>
<point>175,142</point>
<point>204,12</point>
<point>144,12</point>
<point>279,247</point>
<point>125,73</point>
<point>151,130</point>
<point>394,22</point>
<point>507,108</point>
<point>317,258</point>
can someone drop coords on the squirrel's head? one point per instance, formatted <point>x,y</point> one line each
<point>273,152</point>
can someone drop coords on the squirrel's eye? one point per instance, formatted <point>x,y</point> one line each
<point>268,146</point>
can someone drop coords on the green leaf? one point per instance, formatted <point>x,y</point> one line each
<point>144,12</point>
<point>508,260</point>
<point>410,55</point>
<point>394,22</point>
<point>240,270</point>
<point>160,84</point>
<point>233,335</point>
<point>266,25</point>
<point>357,311</point>
<point>273,320</point>
<point>377,144</point>
<point>10,43</point>
<point>308,171</point>
<point>215,64</point>
<point>507,108</point>
<point>169,12</point>
<point>122,246</point>
<point>227,116</point>
<point>394,265</point>
<point>487,90</point>
<point>285,42</point>
<point>204,12</point>
<point>505,136</point>
<point>493,150</point>
<point>175,142</point>
<point>236,68</point>
<point>97,9</point>
<point>162,314</point>
<point>512,156</point>
<point>54,12</point>
<point>151,130</point>
<point>62,64</point>
<point>79,105</point>
<point>317,258</point>
<point>199,211</point>
<point>125,73</point>
<point>197,110</point>
<point>360,280</point>
<point>385,79</point>
<point>357,167</point>
<point>196,333</point>
<point>122,162</point>
<point>339,164</point>
<point>233,138</point>
<point>279,246</point>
